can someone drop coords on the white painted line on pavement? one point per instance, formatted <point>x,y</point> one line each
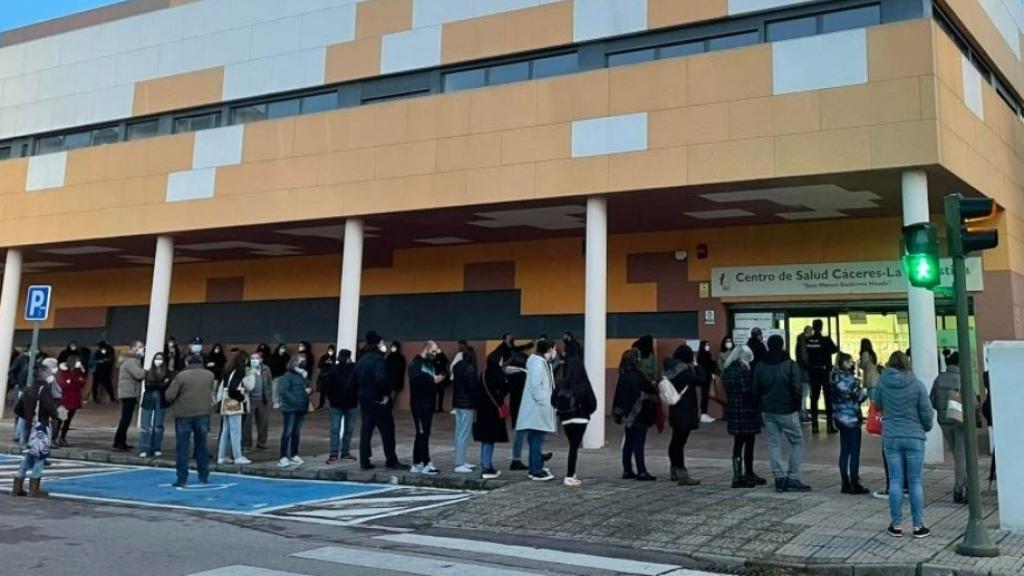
<point>404,563</point>
<point>345,513</point>
<point>239,570</point>
<point>535,554</point>
<point>424,498</point>
<point>407,510</point>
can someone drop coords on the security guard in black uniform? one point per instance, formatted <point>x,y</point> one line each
<point>820,349</point>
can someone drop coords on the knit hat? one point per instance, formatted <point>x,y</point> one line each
<point>372,338</point>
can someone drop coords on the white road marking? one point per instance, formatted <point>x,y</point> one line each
<point>404,563</point>
<point>345,513</point>
<point>239,570</point>
<point>538,554</point>
<point>421,498</point>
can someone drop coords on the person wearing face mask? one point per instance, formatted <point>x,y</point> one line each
<point>441,364</point>
<point>174,362</point>
<point>259,401</point>
<point>396,365</point>
<point>71,379</point>
<point>323,367</point>
<point>129,386</point>
<point>803,362</point>
<point>536,414</point>
<point>293,389</point>
<point>189,399</point>
<point>465,378</point>
<point>70,350</point>
<point>340,391</point>
<point>423,381</point>
<point>371,380</point>
<point>38,407</point>
<point>707,363</point>
<point>305,349</point>
<point>216,360</point>
<point>724,350</point>
<point>278,362</point>
<point>820,349</point>
<point>848,395</point>
<point>103,371</point>
<point>756,345</point>
<point>196,347</point>
<point>233,396</point>
<point>158,379</point>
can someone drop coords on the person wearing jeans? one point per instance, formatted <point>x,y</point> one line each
<point>129,386</point>
<point>189,399</point>
<point>465,380</point>
<point>491,426</point>
<point>909,416</point>
<point>536,415</point>
<point>151,435</point>
<point>945,389</point>
<point>847,397</point>
<point>777,379</point>
<point>259,403</point>
<point>233,397</point>
<point>293,390</point>
<point>343,400</point>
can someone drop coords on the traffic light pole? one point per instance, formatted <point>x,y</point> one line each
<point>977,541</point>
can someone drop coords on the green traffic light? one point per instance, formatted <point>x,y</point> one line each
<point>922,270</point>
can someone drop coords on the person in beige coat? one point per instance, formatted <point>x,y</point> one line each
<point>129,388</point>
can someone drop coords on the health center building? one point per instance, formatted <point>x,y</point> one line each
<point>281,170</point>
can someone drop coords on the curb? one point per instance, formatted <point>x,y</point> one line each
<point>400,478</point>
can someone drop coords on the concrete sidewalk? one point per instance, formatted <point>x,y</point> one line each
<point>751,530</point>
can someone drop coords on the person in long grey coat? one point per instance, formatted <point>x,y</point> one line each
<point>536,414</point>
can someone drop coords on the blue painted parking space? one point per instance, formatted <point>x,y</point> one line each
<point>224,493</point>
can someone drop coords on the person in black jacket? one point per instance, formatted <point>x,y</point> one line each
<point>396,370</point>
<point>371,380</point>
<point>707,363</point>
<point>305,349</point>
<point>507,349</point>
<point>37,404</point>
<point>635,407</point>
<point>575,402</point>
<point>441,369</point>
<point>490,426</point>
<point>278,361</point>
<point>820,349</point>
<point>756,345</point>
<point>684,415</point>
<point>216,360</point>
<point>323,367</point>
<point>340,390</point>
<point>103,372</point>
<point>172,354</point>
<point>423,381</point>
<point>465,380</point>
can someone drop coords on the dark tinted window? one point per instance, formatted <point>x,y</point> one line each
<point>733,40</point>
<point>5,153</point>
<point>556,65</point>
<point>792,28</point>
<point>246,114</point>
<point>465,79</point>
<point>283,108</point>
<point>684,49</point>
<point>631,57</point>
<point>106,135</point>
<point>505,73</point>
<point>49,144</point>
<point>399,96</point>
<point>853,18</point>
<point>146,129</point>
<point>77,140</point>
<point>198,122</point>
<point>319,102</point>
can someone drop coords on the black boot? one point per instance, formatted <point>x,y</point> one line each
<point>846,484</point>
<point>856,489</point>
<point>755,479</point>
<point>738,479</point>
<point>780,484</point>
<point>832,427</point>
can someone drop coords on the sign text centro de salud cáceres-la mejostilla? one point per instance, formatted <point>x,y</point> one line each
<point>827,279</point>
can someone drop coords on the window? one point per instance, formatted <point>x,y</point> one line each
<point>5,152</point>
<point>734,40</point>
<point>49,144</point>
<point>197,122</point>
<point>398,96</point>
<point>77,140</point>
<point>283,108</point>
<point>319,102</point>
<point>107,135</point>
<point>144,129</point>
<point>792,28</point>
<point>684,49</point>
<point>849,19</point>
<point>246,114</point>
<point>505,73</point>
<point>556,65</point>
<point>631,57</point>
<point>465,79</point>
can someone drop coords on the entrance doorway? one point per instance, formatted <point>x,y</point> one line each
<point>888,331</point>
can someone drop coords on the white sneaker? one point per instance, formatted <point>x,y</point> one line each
<point>221,460</point>
<point>544,476</point>
<point>157,454</point>
<point>464,469</point>
<point>297,461</point>
<point>284,463</point>
<point>706,418</point>
<point>572,482</point>
<point>491,474</point>
<point>143,455</point>
<point>430,470</point>
<point>416,469</point>
<point>243,461</point>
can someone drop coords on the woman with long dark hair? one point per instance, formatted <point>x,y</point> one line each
<point>490,426</point>
<point>233,400</point>
<point>707,363</point>
<point>575,402</point>
<point>635,409</point>
<point>847,397</point>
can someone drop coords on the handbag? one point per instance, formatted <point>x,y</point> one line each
<point>954,412</point>
<point>504,410</point>
<point>874,425</point>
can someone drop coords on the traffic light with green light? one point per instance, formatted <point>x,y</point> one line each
<point>966,232</point>
<point>921,255</point>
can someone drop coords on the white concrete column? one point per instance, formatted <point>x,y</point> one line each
<point>924,346</point>
<point>351,278</point>
<point>8,315</point>
<point>595,313</point>
<point>159,297</point>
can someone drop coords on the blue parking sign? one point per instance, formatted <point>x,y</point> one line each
<point>37,303</point>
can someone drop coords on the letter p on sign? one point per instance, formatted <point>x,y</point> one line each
<point>37,303</point>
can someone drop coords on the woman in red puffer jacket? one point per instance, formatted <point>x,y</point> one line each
<point>71,379</point>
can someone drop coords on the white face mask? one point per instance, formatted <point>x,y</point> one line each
<point>158,362</point>
<point>196,348</point>
<point>50,378</point>
<point>302,348</point>
<point>728,345</point>
<point>140,351</point>
<point>78,365</point>
<point>383,349</point>
<point>255,363</point>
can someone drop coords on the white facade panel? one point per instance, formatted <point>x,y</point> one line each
<point>12,60</point>
<point>330,26</point>
<point>18,90</point>
<point>488,7</point>
<point>602,18</point>
<point>46,171</point>
<point>35,117</point>
<point>181,57</point>
<point>276,37</point>
<point>81,45</point>
<point>190,185</point>
<point>1000,13</point>
<point>138,65</point>
<point>410,50</point>
<point>433,13</point>
<point>298,70</point>
<point>227,47</point>
<point>8,122</point>
<point>247,78</point>
<point>609,135</point>
<point>112,103</point>
<point>76,110</point>
<point>972,87</point>
<point>817,62</point>
<point>41,54</point>
<point>218,147</point>
<point>743,6</point>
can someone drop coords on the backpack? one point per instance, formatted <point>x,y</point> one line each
<point>565,401</point>
<point>39,441</point>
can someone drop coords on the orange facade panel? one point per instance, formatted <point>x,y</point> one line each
<point>376,18</point>
<point>353,60</point>
<point>664,13</point>
<point>179,91</point>
<point>508,33</point>
<point>981,27</point>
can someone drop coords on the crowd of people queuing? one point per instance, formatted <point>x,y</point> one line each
<point>521,394</point>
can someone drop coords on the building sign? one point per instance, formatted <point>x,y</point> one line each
<point>828,279</point>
